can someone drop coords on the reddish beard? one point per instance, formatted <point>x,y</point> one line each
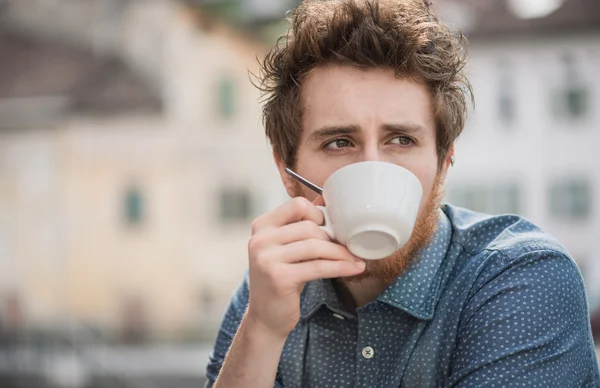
<point>388,269</point>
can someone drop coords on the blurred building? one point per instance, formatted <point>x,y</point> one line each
<point>132,161</point>
<point>132,157</point>
<point>530,144</point>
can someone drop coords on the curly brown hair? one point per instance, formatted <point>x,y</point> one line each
<point>403,35</point>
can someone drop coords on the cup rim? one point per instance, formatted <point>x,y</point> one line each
<point>373,162</point>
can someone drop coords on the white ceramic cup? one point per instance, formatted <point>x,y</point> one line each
<point>371,207</point>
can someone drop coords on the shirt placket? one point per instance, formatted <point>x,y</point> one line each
<point>367,346</point>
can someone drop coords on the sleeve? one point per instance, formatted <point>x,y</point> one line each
<point>229,326</point>
<point>526,325</point>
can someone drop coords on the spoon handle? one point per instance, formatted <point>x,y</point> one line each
<point>304,181</point>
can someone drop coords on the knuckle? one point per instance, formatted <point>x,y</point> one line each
<point>256,225</point>
<point>317,232</point>
<point>255,243</point>
<point>321,267</point>
<point>344,267</point>
<point>309,228</point>
<point>301,205</point>
<point>313,249</point>
<point>261,259</point>
<point>342,252</point>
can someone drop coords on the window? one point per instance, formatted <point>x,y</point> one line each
<point>570,199</point>
<point>133,207</point>
<point>498,198</point>
<point>506,94</point>
<point>235,204</point>
<point>573,100</point>
<point>227,96</point>
<point>576,101</point>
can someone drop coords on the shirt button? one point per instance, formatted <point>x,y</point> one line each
<point>368,352</point>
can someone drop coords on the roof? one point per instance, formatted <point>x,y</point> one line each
<point>34,68</point>
<point>483,19</point>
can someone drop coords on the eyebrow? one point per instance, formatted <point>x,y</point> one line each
<point>329,131</point>
<point>406,128</point>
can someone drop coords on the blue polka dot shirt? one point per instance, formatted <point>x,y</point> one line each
<point>491,302</point>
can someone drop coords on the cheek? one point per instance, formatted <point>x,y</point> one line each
<point>422,162</point>
<point>427,177</point>
<point>315,170</point>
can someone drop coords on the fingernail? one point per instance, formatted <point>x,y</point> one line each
<point>358,262</point>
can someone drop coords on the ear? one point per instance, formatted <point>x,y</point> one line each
<point>285,178</point>
<point>448,162</point>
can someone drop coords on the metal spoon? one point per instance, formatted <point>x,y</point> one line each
<point>304,181</point>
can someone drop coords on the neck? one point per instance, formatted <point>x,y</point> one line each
<point>364,291</point>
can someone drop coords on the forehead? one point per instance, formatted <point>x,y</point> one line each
<point>345,95</point>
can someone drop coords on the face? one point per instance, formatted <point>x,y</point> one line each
<point>352,115</point>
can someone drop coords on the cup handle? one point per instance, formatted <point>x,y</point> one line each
<point>327,225</point>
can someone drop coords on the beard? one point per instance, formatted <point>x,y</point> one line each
<point>389,268</point>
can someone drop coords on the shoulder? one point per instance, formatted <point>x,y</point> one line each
<point>512,235</point>
<point>520,305</point>
<point>508,245</point>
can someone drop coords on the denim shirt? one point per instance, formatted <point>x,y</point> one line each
<point>491,302</point>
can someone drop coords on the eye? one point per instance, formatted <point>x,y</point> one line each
<point>403,141</point>
<point>337,144</point>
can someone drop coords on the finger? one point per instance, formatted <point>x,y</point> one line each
<point>307,271</point>
<point>297,209</point>
<point>309,249</point>
<point>298,231</point>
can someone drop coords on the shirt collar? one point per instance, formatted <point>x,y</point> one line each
<point>316,294</point>
<point>415,291</point>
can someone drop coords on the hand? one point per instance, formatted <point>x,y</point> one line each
<point>286,250</point>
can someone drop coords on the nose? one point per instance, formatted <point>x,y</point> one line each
<point>371,153</point>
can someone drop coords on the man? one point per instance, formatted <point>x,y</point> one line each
<point>469,301</point>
